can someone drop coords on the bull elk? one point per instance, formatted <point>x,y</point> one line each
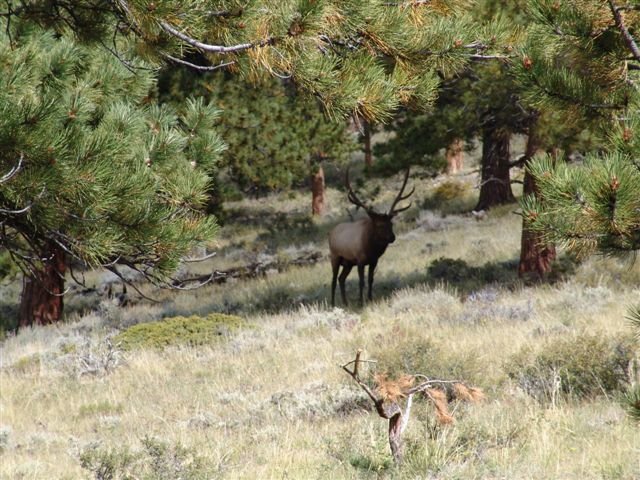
<point>362,242</point>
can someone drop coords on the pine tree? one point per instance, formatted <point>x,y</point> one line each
<point>95,175</point>
<point>478,102</point>
<point>357,57</point>
<point>276,138</point>
<point>583,61</point>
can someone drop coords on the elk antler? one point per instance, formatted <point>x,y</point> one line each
<point>352,196</point>
<point>401,197</point>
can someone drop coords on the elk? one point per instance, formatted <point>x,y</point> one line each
<point>362,242</point>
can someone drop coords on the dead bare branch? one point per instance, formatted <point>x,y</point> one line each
<point>391,410</point>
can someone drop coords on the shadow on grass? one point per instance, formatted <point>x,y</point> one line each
<point>455,273</point>
<point>280,230</point>
<point>281,297</point>
<point>467,278</point>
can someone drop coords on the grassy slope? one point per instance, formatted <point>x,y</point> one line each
<point>271,401</point>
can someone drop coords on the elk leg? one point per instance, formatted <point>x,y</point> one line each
<point>361,281</point>
<point>346,269</point>
<point>335,267</point>
<point>372,269</point>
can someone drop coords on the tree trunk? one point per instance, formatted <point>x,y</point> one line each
<point>495,186</point>
<point>454,156</point>
<point>317,192</point>
<point>395,440</point>
<point>536,256</point>
<point>42,295</point>
<point>366,137</point>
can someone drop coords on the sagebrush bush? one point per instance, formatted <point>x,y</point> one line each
<point>157,460</point>
<point>175,331</point>
<point>581,367</point>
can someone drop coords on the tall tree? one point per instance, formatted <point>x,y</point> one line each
<point>583,62</point>
<point>94,174</point>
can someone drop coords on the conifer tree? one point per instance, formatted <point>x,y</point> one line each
<point>276,138</point>
<point>583,61</point>
<point>94,174</point>
<point>357,57</point>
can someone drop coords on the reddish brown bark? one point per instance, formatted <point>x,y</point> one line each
<point>318,193</point>
<point>536,256</point>
<point>495,185</point>
<point>454,156</point>
<point>42,294</point>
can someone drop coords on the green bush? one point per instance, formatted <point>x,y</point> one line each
<point>173,331</point>
<point>580,367</point>
<point>157,460</point>
<point>450,197</point>
<point>459,273</point>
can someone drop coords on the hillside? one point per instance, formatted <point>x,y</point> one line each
<point>265,396</point>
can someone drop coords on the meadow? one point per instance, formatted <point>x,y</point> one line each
<point>265,397</point>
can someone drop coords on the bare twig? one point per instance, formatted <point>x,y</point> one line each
<point>199,259</point>
<point>202,68</point>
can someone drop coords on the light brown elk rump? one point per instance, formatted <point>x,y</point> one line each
<point>362,242</point>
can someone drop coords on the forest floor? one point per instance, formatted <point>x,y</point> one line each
<point>268,399</point>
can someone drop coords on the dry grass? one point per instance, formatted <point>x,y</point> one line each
<point>272,402</point>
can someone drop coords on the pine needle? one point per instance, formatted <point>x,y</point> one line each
<point>393,390</point>
<point>439,399</point>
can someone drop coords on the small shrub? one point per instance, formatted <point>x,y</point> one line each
<point>28,364</point>
<point>4,438</point>
<point>459,273</point>
<point>174,331</point>
<point>97,358</point>
<point>157,460</point>
<point>451,270</point>
<point>107,464</point>
<point>103,407</point>
<point>449,190</point>
<point>450,197</point>
<point>582,367</point>
<point>319,400</point>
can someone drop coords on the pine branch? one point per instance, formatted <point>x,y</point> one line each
<point>215,48</point>
<point>628,38</point>
<point>202,68</point>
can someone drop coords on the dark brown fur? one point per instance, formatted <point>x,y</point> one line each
<point>362,242</point>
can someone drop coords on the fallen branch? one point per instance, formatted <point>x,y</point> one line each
<point>252,270</point>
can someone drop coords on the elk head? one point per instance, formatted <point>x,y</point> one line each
<point>363,241</point>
